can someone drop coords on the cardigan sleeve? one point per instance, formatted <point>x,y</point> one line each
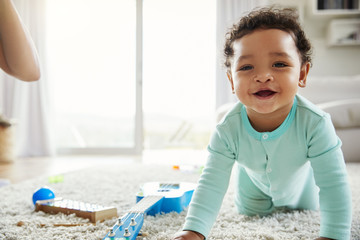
<point>212,185</point>
<point>327,161</point>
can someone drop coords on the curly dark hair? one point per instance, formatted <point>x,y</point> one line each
<point>285,19</point>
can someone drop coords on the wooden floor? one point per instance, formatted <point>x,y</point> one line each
<point>26,168</point>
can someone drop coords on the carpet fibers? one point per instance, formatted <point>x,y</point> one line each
<point>116,185</point>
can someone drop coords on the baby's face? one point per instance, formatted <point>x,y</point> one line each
<point>266,70</point>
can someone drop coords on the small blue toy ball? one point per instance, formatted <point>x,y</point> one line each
<point>43,193</point>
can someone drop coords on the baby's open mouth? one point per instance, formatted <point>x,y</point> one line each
<point>265,93</point>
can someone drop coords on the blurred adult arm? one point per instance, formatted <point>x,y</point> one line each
<point>18,56</point>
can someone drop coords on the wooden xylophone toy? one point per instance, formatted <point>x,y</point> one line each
<point>93,212</point>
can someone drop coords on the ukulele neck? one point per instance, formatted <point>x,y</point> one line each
<point>145,204</point>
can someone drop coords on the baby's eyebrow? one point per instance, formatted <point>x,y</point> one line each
<point>276,54</point>
<point>243,57</point>
<point>280,54</point>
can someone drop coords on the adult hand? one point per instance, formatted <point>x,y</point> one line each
<point>188,235</point>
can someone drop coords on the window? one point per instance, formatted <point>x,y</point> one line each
<point>91,47</point>
<point>179,73</point>
<point>91,60</point>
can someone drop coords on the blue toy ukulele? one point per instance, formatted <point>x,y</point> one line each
<point>153,198</point>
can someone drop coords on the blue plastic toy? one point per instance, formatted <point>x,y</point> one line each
<point>153,198</point>
<point>43,193</point>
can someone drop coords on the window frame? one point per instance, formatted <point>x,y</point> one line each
<point>138,131</point>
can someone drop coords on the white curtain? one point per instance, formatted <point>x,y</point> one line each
<point>27,103</point>
<point>228,12</point>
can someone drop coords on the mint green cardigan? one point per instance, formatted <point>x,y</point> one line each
<point>298,165</point>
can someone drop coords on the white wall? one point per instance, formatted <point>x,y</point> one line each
<point>327,61</point>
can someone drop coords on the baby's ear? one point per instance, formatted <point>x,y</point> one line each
<point>304,71</point>
<point>229,75</point>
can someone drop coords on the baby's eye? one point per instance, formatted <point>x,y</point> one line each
<point>279,65</point>
<point>245,68</point>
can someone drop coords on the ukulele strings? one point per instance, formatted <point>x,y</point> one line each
<point>138,213</point>
<point>164,187</point>
<point>128,215</point>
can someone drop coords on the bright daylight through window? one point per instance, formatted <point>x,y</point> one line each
<point>91,49</point>
<point>179,72</point>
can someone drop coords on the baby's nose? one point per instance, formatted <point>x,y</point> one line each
<point>262,78</point>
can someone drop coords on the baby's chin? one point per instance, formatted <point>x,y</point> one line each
<point>267,109</point>
<point>263,111</point>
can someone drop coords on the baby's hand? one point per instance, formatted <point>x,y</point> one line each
<point>188,235</point>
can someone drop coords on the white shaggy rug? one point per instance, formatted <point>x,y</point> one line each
<point>116,185</point>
